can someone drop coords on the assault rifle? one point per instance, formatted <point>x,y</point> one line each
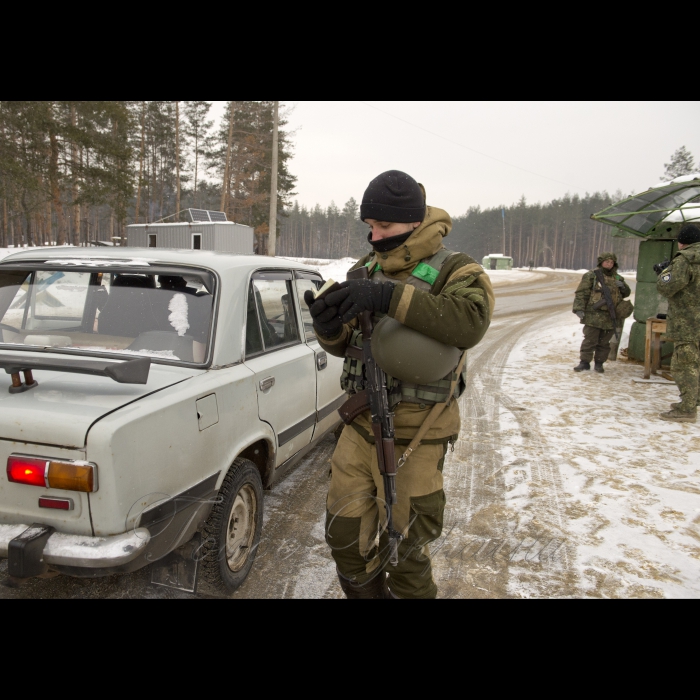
<point>606,301</point>
<point>382,422</point>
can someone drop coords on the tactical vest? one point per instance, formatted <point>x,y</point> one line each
<point>423,277</point>
<point>597,292</point>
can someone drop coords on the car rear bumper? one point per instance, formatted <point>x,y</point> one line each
<point>82,551</point>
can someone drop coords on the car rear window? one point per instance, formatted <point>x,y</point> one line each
<point>161,313</point>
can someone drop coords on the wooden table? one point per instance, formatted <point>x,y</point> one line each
<point>656,327</point>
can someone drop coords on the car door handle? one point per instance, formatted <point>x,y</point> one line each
<point>267,383</point>
<point>321,361</point>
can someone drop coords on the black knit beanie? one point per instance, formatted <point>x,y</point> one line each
<point>689,234</point>
<point>395,197</point>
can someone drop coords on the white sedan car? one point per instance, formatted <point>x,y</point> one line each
<point>151,395</point>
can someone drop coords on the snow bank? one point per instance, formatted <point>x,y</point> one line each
<point>625,486</point>
<point>337,269</point>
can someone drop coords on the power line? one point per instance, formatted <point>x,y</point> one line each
<point>473,150</point>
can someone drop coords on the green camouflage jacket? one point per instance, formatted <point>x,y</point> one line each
<point>680,284</point>
<point>588,293</point>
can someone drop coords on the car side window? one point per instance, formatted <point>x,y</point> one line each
<point>253,340</point>
<point>303,284</point>
<point>275,306</point>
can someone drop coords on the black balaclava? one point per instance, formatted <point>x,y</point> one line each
<point>386,244</point>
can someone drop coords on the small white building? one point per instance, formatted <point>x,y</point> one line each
<point>206,231</point>
<point>497,261</point>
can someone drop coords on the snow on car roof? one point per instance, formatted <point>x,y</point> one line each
<point>142,257</point>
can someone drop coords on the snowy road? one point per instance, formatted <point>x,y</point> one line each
<point>561,485</point>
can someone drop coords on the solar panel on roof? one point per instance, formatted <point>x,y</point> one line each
<point>218,216</point>
<point>199,215</point>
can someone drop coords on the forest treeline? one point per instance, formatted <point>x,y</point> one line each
<point>559,233</point>
<point>76,172</point>
<point>79,172</point>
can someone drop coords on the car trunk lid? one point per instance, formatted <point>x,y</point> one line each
<point>63,407</point>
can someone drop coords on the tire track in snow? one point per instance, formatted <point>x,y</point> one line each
<point>482,542</point>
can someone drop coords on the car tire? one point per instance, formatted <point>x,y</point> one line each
<point>231,534</point>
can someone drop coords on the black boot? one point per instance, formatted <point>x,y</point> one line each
<point>599,367</point>
<point>582,365</point>
<point>374,589</point>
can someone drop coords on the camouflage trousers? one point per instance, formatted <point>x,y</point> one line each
<point>356,514</point>
<point>685,368</point>
<point>596,344</point>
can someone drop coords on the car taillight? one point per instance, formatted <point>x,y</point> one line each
<point>52,473</point>
<point>28,470</point>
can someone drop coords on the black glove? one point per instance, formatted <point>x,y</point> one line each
<point>620,283</point>
<point>357,296</point>
<point>580,314</point>
<point>660,267</point>
<point>326,318</point>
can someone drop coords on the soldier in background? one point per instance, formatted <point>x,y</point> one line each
<point>598,328</point>
<point>680,284</point>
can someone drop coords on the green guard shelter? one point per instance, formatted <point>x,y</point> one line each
<point>497,261</point>
<point>656,215</point>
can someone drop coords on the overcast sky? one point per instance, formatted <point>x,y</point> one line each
<point>486,153</point>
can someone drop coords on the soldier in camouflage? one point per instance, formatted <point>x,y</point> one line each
<point>444,296</point>
<point>598,328</point>
<point>680,284</point>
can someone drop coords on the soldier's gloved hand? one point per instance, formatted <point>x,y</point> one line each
<point>356,296</point>
<point>326,318</point>
<point>620,283</point>
<point>580,314</point>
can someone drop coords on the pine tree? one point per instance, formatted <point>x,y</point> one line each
<point>197,128</point>
<point>682,163</point>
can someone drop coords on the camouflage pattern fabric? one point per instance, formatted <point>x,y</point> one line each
<point>589,293</point>
<point>680,284</point>
<point>596,344</point>
<point>685,368</point>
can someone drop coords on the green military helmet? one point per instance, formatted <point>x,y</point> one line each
<point>411,356</point>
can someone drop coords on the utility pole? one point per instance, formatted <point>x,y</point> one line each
<point>227,167</point>
<point>177,157</point>
<point>272,235</point>
<point>503,217</point>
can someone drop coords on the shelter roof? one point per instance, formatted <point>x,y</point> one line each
<point>675,201</point>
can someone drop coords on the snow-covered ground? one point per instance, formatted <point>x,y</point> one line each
<point>629,482</point>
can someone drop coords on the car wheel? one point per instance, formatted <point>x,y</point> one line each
<point>232,532</point>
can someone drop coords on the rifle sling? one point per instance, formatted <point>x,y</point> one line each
<point>355,353</point>
<point>607,295</point>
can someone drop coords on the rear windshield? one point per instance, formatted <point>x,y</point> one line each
<point>165,314</point>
